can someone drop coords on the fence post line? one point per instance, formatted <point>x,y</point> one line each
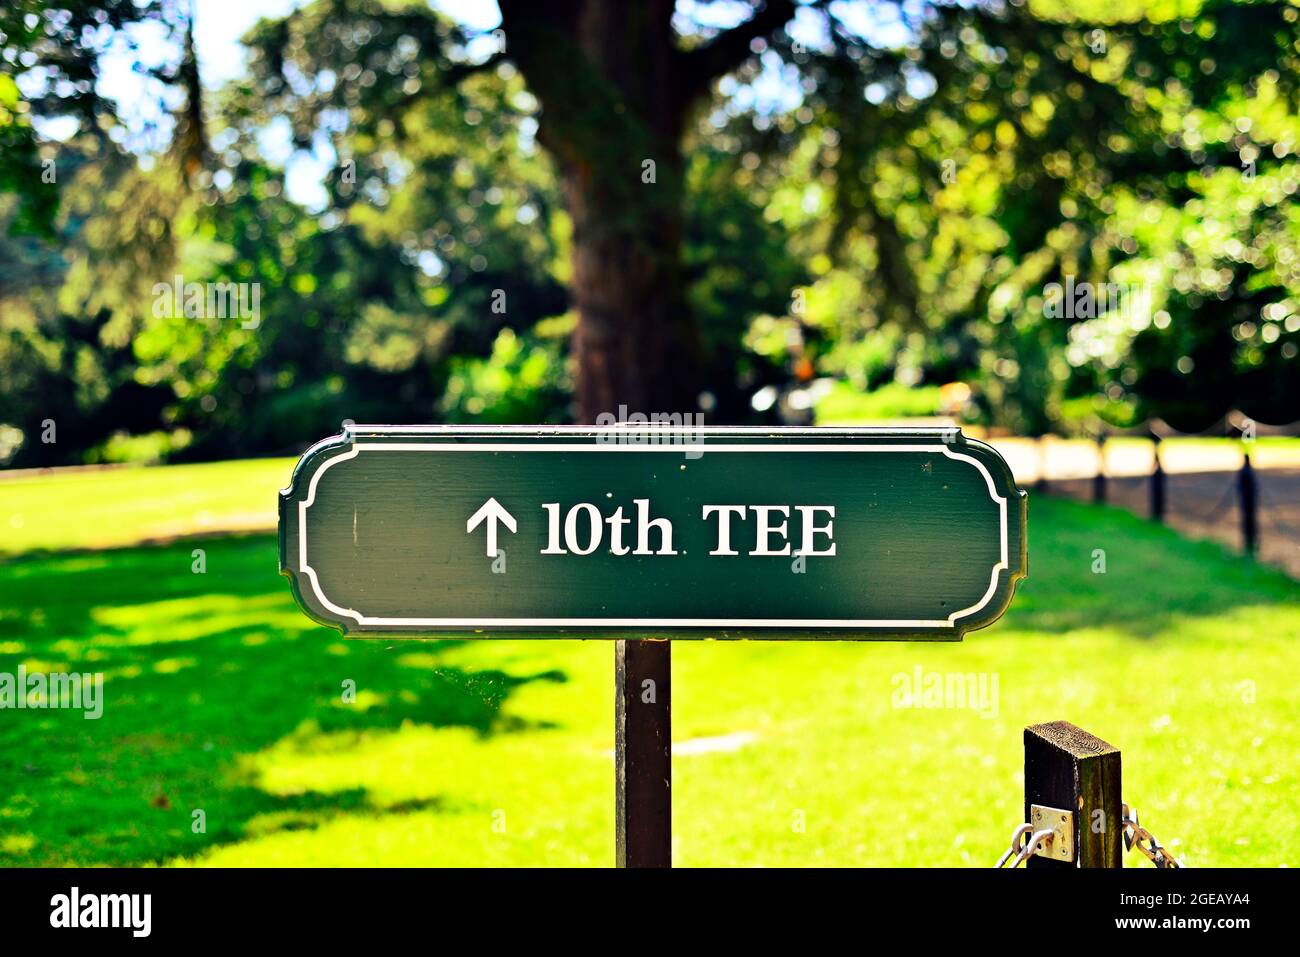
<point>1099,479</point>
<point>1157,482</point>
<point>1246,492</point>
<point>1068,768</point>
<point>643,811</point>
<point>1041,444</point>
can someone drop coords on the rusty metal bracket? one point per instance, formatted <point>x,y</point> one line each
<point>1060,847</point>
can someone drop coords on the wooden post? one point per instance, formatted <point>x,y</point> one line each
<point>643,812</point>
<point>1070,769</point>
<point>1246,491</point>
<point>1099,478</point>
<point>1157,482</point>
<point>1042,484</point>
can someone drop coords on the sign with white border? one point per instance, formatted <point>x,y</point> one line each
<point>632,531</point>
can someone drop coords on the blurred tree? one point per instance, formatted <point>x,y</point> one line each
<point>22,172</point>
<point>70,307</point>
<point>58,48</point>
<point>1056,111</point>
<point>742,196</point>
<point>940,187</point>
<point>445,142</point>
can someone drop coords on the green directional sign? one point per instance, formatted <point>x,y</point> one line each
<point>647,532</point>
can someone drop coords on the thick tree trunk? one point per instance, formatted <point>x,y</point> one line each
<point>612,115</point>
<point>631,344</point>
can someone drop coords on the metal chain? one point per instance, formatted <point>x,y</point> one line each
<point>1137,836</point>
<point>1269,513</point>
<point>1023,851</point>
<point>1214,514</point>
<point>1025,842</point>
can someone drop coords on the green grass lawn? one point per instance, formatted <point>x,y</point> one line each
<point>222,697</point>
<point>123,505</point>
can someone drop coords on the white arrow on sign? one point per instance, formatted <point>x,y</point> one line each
<point>493,511</point>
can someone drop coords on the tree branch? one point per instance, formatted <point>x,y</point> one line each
<point>701,66</point>
<point>452,74</point>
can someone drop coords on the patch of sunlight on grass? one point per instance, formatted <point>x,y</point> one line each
<point>434,796</point>
<point>43,666</point>
<point>17,843</point>
<point>189,619</point>
<point>443,837</point>
<point>112,507</point>
<point>365,700</point>
<point>418,659</point>
<point>842,776</point>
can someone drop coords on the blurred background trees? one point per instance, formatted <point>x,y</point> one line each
<point>852,210</point>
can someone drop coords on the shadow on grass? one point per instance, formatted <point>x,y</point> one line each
<point>212,676</point>
<point>201,672</point>
<point>1102,567</point>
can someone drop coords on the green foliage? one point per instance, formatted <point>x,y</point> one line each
<point>522,380</point>
<point>1117,145</point>
<point>22,173</point>
<point>843,405</point>
<point>739,265</point>
<point>150,448</point>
